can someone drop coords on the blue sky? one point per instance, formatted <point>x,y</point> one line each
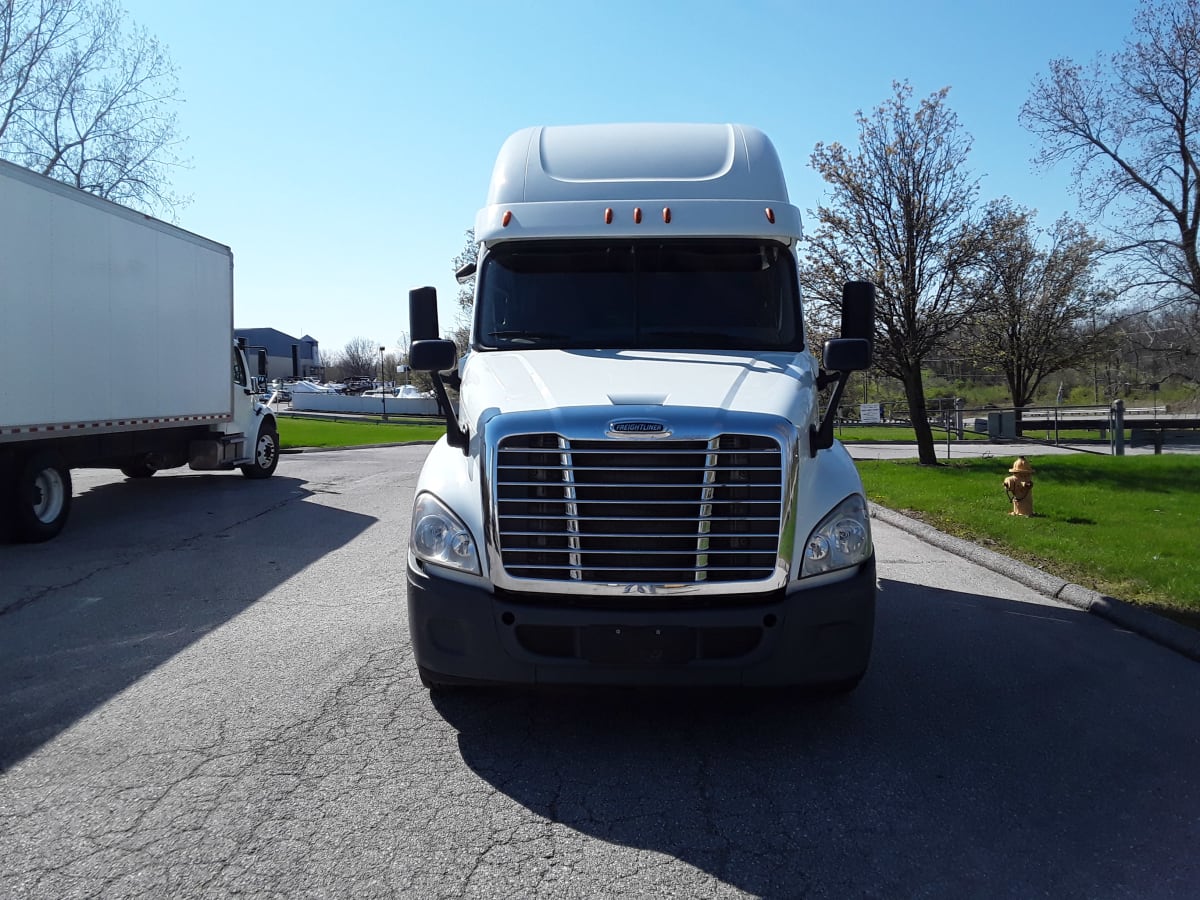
<point>342,150</point>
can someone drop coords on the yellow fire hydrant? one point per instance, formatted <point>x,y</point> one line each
<point>1019,485</point>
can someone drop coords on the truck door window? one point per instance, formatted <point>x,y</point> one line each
<point>696,294</point>
<point>239,369</point>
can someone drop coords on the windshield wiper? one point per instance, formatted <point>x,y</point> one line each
<point>694,339</point>
<point>518,335</point>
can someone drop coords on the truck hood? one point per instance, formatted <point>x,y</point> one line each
<point>510,381</point>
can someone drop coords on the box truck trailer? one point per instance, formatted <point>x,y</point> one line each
<point>116,335</point>
<point>637,486</point>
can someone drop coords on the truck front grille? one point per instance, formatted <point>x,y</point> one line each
<point>629,511</point>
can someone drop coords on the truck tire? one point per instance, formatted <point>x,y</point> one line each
<point>8,497</point>
<point>42,498</point>
<point>266,455</point>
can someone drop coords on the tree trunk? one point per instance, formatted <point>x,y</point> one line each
<point>914,390</point>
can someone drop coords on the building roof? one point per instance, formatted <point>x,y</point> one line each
<point>277,342</point>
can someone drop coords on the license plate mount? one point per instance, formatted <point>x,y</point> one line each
<point>638,645</point>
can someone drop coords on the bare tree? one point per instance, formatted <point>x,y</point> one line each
<point>469,255</point>
<point>403,346</point>
<point>422,381</point>
<point>88,100</point>
<point>1154,348</point>
<point>1035,305</point>
<point>359,358</point>
<point>1175,341</point>
<point>1129,127</point>
<point>899,215</point>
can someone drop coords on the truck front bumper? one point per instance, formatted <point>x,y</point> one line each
<point>809,636</point>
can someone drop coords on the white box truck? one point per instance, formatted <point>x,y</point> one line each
<point>116,335</point>
<point>638,487</point>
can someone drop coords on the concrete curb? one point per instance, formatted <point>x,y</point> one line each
<point>1125,615</point>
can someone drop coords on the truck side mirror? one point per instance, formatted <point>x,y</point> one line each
<point>435,356</point>
<point>858,314</point>
<point>432,355</point>
<point>849,353</point>
<point>846,355</point>
<point>423,314</point>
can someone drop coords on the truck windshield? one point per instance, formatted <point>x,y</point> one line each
<point>685,295</point>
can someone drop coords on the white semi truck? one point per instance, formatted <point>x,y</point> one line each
<point>638,487</point>
<point>116,334</point>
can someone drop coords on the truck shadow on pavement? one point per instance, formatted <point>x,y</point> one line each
<point>144,569</point>
<point>995,748</point>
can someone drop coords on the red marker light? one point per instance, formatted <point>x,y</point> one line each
<point>507,218</point>
<point>637,215</point>
<point>770,215</point>
<point>608,216</point>
<point>667,214</point>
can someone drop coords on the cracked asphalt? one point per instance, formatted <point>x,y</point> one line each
<point>208,692</point>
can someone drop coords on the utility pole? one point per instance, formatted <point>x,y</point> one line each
<point>382,389</point>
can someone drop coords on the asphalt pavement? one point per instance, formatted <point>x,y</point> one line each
<point>210,692</point>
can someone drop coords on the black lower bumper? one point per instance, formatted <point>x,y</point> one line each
<point>804,637</point>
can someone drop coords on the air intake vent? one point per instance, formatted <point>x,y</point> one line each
<point>629,511</point>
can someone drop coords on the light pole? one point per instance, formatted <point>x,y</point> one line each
<point>382,389</point>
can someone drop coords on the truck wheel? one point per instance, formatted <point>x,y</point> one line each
<point>138,470</point>
<point>43,498</point>
<point>8,502</point>
<point>266,455</point>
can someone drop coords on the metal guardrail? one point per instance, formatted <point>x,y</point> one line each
<point>1111,423</point>
<point>1081,412</point>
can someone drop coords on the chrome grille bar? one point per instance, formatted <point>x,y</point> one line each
<point>638,511</point>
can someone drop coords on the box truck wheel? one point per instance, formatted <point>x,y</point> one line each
<point>139,469</point>
<point>42,498</point>
<point>8,496</point>
<point>266,455</point>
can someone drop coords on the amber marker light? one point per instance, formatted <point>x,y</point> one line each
<point>667,215</point>
<point>770,215</point>
<point>637,215</point>
<point>608,216</point>
<point>507,218</point>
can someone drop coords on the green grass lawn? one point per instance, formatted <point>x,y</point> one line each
<point>1128,526</point>
<point>299,432</point>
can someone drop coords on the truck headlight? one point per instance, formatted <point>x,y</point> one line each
<point>440,537</point>
<point>843,539</point>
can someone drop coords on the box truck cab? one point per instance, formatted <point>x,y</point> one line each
<point>638,487</point>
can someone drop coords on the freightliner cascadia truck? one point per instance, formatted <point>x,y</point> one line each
<point>116,332</point>
<point>637,486</point>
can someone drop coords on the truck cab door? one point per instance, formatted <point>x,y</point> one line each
<point>245,401</point>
